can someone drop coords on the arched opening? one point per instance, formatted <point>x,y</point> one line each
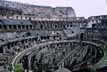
<point>19,27</point>
<point>0,27</point>
<point>14,27</point>
<point>23,27</point>
<point>10,26</point>
<point>5,27</point>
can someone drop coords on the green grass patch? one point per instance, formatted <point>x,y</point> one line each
<point>103,61</point>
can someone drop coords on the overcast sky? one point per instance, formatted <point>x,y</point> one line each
<point>82,7</point>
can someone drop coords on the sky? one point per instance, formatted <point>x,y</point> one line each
<point>84,8</point>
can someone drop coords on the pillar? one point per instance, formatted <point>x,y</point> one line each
<point>4,49</point>
<point>17,27</point>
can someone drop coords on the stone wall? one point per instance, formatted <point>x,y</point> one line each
<point>40,11</point>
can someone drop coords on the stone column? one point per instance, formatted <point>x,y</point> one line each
<point>17,27</point>
<point>12,27</point>
<point>7,27</point>
<point>2,28</point>
<point>21,27</point>
<point>4,49</point>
